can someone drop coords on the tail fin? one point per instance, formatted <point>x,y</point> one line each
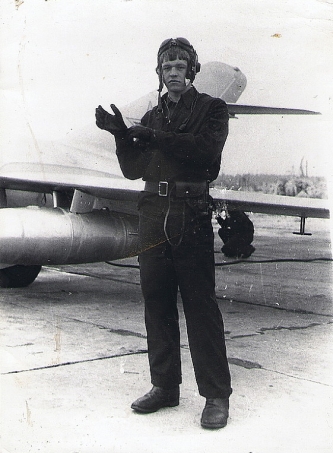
<point>221,80</point>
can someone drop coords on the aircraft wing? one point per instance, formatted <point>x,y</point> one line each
<point>100,223</point>
<point>58,178</point>
<point>272,204</point>
<point>49,178</point>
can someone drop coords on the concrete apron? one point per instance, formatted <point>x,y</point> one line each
<point>74,358</point>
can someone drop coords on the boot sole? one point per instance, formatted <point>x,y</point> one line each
<point>213,425</point>
<point>143,410</point>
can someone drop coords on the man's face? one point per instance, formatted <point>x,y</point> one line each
<point>174,72</point>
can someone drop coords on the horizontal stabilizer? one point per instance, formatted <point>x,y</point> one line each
<point>239,109</point>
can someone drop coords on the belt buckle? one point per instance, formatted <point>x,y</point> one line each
<point>163,187</point>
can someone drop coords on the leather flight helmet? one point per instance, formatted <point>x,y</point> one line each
<point>182,43</point>
<point>193,67</point>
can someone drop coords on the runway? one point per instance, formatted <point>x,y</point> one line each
<point>73,355</point>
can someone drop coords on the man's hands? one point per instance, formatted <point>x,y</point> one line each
<point>138,132</point>
<point>139,135</point>
<point>111,123</point>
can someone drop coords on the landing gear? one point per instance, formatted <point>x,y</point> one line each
<point>302,228</point>
<point>18,276</point>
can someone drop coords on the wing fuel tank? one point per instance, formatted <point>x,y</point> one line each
<point>34,235</point>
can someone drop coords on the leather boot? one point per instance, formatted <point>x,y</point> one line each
<point>215,413</point>
<point>155,399</point>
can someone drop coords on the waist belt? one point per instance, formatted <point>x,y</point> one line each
<point>162,188</point>
<point>182,189</point>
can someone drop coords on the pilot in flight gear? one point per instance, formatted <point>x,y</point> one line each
<point>177,150</point>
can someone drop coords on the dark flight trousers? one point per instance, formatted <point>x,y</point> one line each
<point>189,267</point>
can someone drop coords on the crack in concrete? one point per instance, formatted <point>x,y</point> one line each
<point>124,332</point>
<point>262,330</point>
<point>77,362</point>
<point>254,365</point>
<point>246,335</point>
<point>19,345</point>
<point>274,307</point>
<point>297,377</point>
<point>309,326</point>
<point>220,298</point>
<point>92,275</point>
<point>244,363</point>
<point>232,360</point>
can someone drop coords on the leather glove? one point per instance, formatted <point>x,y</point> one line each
<point>111,123</point>
<point>142,133</point>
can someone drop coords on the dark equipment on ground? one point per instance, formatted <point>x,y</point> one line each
<point>236,233</point>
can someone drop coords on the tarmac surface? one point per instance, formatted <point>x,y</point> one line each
<point>73,355</point>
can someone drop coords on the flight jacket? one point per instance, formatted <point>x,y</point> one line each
<point>186,144</point>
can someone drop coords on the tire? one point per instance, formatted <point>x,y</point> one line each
<point>18,276</point>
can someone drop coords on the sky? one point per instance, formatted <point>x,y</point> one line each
<point>61,58</point>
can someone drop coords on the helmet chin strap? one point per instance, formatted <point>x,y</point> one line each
<point>160,88</point>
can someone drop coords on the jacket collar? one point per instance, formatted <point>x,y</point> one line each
<point>186,98</point>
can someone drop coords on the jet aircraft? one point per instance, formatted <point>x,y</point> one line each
<point>54,214</point>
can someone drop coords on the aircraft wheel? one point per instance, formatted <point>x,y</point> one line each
<point>18,276</point>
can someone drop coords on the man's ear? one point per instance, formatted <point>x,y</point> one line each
<point>157,70</point>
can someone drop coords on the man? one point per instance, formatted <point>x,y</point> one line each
<point>236,233</point>
<point>177,150</point>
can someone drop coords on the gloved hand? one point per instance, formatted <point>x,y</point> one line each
<point>139,132</point>
<point>111,123</point>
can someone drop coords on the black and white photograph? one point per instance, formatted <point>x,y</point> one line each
<point>166,186</point>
